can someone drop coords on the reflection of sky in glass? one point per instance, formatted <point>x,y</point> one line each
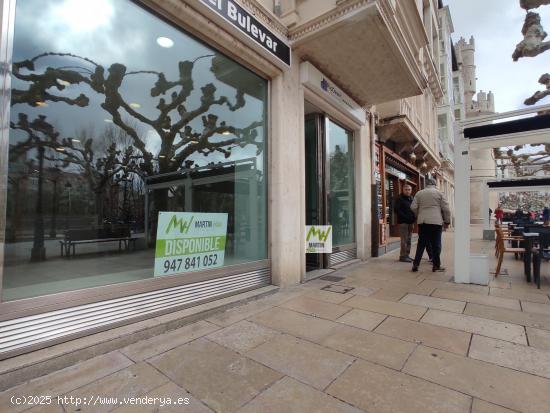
<point>107,32</point>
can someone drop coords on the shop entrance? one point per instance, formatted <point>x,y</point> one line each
<point>330,195</point>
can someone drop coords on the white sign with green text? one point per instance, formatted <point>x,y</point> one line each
<point>188,241</point>
<point>318,239</point>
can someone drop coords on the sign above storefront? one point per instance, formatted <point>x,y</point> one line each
<point>188,241</point>
<point>393,171</point>
<point>318,239</point>
<point>320,84</point>
<point>251,27</point>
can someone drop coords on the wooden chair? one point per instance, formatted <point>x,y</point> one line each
<point>503,249</point>
<point>506,235</point>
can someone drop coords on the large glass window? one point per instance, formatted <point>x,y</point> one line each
<point>341,187</point>
<point>115,116</point>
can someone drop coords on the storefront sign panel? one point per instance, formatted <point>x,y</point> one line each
<point>188,241</point>
<point>318,239</point>
<point>251,27</point>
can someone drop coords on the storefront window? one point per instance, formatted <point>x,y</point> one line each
<point>342,200</point>
<point>115,116</point>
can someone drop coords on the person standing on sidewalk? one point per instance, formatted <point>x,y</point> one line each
<point>405,219</point>
<point>432,212</point>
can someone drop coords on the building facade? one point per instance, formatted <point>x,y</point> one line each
<point>241,121</point>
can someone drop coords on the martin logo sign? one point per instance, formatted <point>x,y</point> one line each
<point>250,26</point>
<point>318,239</point>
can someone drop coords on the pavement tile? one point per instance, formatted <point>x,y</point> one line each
<point>221,378</point>
<point>477,325</point>
<point>411,312</point>
<point>377,389</point>
<point>155,345</point>
<point>65,380</point>
<point>484,299</point>
<point>470,288</point>
<point>499,385</point>
<point>534,320</point>
<point>307,362</point>
<point>242,336</point>
<point>538,308</point>
<point>296,324</point>
<point>433,302</point>
<point>538,338</point>
<point>515,356</point>
<point>133,381</point>
<point>329,297</point>
<point>362,319</point>
<point>370,346</point>
<point>390,294</point>
<point>316,308</point>
<point>291,396</point>
<point>169,391</point>
<point>481,406</point>
<point>521,295</point>
<point>429,335</point>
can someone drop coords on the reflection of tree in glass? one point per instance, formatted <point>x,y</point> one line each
<point>339,166</point>
<point>173,124</point>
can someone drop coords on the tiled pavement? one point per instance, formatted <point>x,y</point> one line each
<point>398,342</point>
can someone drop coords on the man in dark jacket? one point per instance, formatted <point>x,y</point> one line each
<point>405,219</point>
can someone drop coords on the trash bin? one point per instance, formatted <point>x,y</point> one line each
<point>479,269</point>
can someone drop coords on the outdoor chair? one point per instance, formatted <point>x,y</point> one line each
<point>503,249</point>
<point>506,235</point>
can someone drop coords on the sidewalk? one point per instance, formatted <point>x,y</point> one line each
<point>381,339</point>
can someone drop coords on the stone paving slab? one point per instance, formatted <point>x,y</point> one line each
<point>476,325</point>
<point>309,363</point>
<point>538,308</point>
<point>370,346</point>
<point>366,320</point>
<point>521,295</point>
<point>243,336</point>
<point>133,381</point>
<point>478,298</point>
<point>534,320</point>
<point>174,393</point>
<point>390,294</point>
<point>481,406</point>
<point>329,297</point>
<point>499,385</point>
<point>291,396</point>
<point>221,378</point>
<point>151,347</point>
<point>453,306</point>
<point>429,335</point>
<point>315,308</point>
<point>377,389</point>
<point>469,288</point>
<point>63,381</point>
<point>538,338</point>
<point>296,324</point>
<point>515,356</point>
<point>408,311</point>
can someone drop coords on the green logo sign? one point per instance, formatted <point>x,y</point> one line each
<point>318,239</point>
<point>176,222</point>
<point>318,233</point>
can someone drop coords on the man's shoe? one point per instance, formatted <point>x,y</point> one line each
<point>414,268</point>
<point>405,259</point>
<point>438,269</point>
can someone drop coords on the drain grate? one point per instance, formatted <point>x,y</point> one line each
<point>339,289</point>
<point>332,278</point>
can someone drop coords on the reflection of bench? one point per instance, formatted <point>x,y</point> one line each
<point>74,237</point>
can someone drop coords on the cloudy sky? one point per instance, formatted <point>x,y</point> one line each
<point>496,26</point>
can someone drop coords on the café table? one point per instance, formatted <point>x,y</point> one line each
<point>529,239</point>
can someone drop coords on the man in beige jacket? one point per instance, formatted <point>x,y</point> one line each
<point>432,213</point>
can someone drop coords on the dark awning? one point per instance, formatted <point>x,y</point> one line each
<point>513,183</point>
<point>505,128</point>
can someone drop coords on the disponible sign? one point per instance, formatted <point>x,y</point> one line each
<point>251,27</point>
<point>318,239</point>
<point>188,241</point>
